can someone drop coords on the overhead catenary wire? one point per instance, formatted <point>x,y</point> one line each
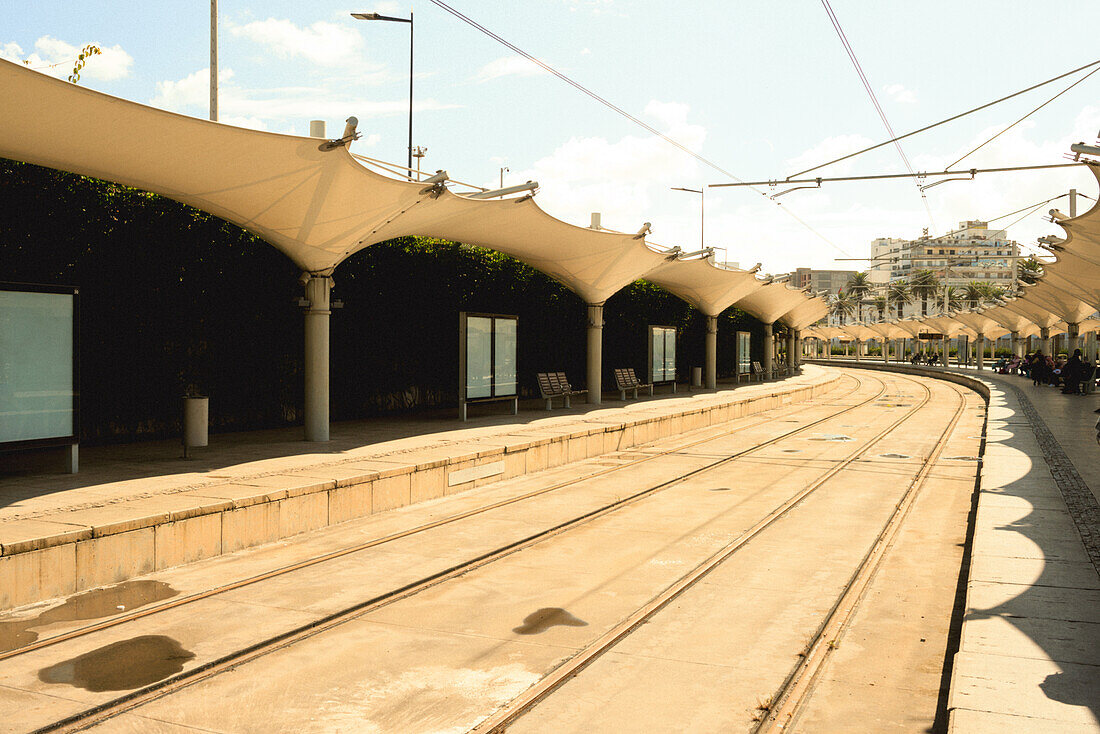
<point>610,105</point>
<point>1029,114</point>
<point>878,107</point>
<point>881,176</point>
<point>945,121</point>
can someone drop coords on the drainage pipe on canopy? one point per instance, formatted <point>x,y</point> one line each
<point>318,292</point>
<point>1073,334</point>
<point>594,364</point>
<point>769,350</point>
<point>711,348</point>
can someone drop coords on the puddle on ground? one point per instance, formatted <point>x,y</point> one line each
<point>94,604</point>
<point>963,458</point>
<point>120,666</point>
<point>895,456</point>
<point>840,437</point>
<point>545,618</point>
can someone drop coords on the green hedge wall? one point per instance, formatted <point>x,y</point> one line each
<point>172,297</point>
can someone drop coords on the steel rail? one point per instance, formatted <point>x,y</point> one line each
<point>510,712</point>
<point>789,700</point>
<point>121,619</point>
<point>91,717</point>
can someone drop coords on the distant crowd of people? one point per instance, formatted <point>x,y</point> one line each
<point>1076,375</point>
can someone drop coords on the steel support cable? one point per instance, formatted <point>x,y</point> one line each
<point>878,107</point>
<point>612,106</point>
<point>1029,114</point>
<point>945,121</point>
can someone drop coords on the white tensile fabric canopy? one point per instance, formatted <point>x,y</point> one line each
<point>771,302</point>
<point>709,287</point>
<point>317,206</point>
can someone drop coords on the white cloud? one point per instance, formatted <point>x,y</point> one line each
<point>57,58</point>
<point>322,43</point>
<point>586,51</point>
<point>191,91</point>
<point>277,108</point>
<point>827,150</point>
<point>508,66</point>
<point>899,93</point>
<point>624,179</point>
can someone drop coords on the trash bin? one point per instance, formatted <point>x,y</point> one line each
<point>196,421</point>
<point>696,376</point>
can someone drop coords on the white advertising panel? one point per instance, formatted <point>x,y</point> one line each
<point>36,365</point>
<point>662,354</point>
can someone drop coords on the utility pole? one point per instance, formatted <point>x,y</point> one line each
<point>214,60</point>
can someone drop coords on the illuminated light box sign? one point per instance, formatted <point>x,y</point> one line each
<point>487,359</point>
<point>929,335</point>
<point>662,354</point>
<point>38,367</point>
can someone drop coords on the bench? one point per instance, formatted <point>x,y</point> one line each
<point>626,379</point>
<point>556,385</point>
<point>758,371</point>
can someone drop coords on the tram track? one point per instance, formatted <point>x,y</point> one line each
<point>94,715</point>
<point>176,603</point>
<point>783,706</point>
<point>790,700</point>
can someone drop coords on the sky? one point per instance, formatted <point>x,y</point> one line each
<point>762,89</point>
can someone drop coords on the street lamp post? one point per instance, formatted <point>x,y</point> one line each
<point>409,20</point>
<point>702,213</point>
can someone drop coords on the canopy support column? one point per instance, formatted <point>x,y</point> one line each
<point>1073,334</point>
<point>769,350</point>
<point>1014,344</point>
<point>711,347</point>
<point>318,292</point>
<point>594,363</point>
<point>798,347</point>
<point>979,348</point>
<point>859,349</point>
<point>792,360</point>
<point>1044,340</point>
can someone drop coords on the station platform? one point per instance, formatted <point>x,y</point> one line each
<point>1029,651</point>
<point>137,508</point>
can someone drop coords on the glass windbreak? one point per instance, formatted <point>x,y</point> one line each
<point>36,365</point>
<point>479,357</point>
<point>657,352</point>
<point>744,353</point>
<point>670,354</point>
<point>504,357</point>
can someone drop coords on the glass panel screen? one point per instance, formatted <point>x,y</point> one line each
<point>504,358</point>
<point>36,365</point>
<point>479,357</point>
<point>744,353</point>
<point>662,354</point>
<point>670,354</point>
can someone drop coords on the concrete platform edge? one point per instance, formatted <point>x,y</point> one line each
<point>65,557</point>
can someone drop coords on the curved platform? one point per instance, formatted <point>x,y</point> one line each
<point>1028,658</point>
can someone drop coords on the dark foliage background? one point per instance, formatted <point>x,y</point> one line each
<point>172,297</point>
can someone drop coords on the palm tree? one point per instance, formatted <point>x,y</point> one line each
<point>974,293</point>
<point>923,284</point>
<point>898,294</point>
<point>992,292</point>
<point>1030,270</point>
<point>880,306</point>
<point>859,285</point>
<point>842,306</point>
<point>953,295</point>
